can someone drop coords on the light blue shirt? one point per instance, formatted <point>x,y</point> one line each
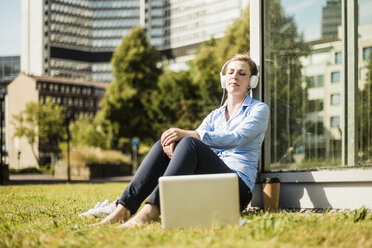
<point>237,141</point>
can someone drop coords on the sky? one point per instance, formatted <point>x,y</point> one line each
<point>10,27</point>
<point>307,14</point>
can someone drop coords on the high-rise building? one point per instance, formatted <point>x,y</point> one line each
<point>191,22</point>
<point>9,69</point>
<point>323,70</point>
<point>331,18</point>
<point>70,38</point>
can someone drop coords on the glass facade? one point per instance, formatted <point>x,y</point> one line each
<point>365,83</point>
<point>194,21</point>
<point>301,61</point>
<point>304,77</point>
<point>82,34</point>
<point>9,68</point>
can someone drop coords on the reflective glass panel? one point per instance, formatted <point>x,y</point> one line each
<point>302,63</point>
<point>365,83</point>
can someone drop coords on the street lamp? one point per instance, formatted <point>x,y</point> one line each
<point>67,122</point>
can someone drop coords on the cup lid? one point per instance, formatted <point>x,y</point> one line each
<point>271,180</point>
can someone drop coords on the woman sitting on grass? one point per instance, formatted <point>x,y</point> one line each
<point>235,133</point>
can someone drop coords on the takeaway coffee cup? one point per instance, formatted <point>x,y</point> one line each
<point>271,190</point>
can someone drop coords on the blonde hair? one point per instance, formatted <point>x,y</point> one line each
<point>243,57</point>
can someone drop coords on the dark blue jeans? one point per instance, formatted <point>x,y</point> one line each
<point>191,156</point>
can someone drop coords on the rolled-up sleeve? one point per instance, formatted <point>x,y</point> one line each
<point>255,123</point>
<point>206,125</point>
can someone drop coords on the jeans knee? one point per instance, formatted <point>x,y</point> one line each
<point>188,140</point>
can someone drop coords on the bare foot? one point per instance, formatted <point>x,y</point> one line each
<point>147,214</point>
<point>119,214</point>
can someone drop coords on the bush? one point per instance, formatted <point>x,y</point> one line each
<point>92,155</point>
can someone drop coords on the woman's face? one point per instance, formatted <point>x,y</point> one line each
<point>238,77</point>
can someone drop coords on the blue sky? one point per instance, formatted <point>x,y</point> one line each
<point>307,14</point>
<point>10,27</point>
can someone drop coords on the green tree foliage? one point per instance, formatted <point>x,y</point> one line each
<point>206,66</point>
<point>284,46</point>
<point>237,38</point>
<point>174,103</point>
<point>205,70</point>
<point>365,115</point>
<point>135,73</point>
<point>85,132</point>
<point>41,124</point>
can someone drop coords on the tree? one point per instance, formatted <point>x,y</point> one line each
<point>42,125</point>
<point>135,71</point>
<point>205,70</point>
<point>237,37</point>
<point>284,45</point>
<point>206,66</point>
<point>174,103</point>
<point>85,132</point>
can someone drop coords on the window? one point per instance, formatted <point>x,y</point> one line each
<point>316,81</point>
<point>364,121</point>
<point>335,99</point>
<point>335,121</point>
<point>367,53</point>
<point>315,105</point>
<point>295,80</point>
<point>338,58</point>
<point>335,77</point>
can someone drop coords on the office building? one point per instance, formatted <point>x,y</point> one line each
<point>323,69</point>
<point>78,96</point>
<point>191,22</point>
<point>69,38</point>
<point>9,69</point>
<point>331,18</point>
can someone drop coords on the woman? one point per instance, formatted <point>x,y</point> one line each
<point>235,133</point>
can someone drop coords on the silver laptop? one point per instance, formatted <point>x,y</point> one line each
<point>199,200</point>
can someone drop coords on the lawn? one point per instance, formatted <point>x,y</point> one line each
<point>47,216</point>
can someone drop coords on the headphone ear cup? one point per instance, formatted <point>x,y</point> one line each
<point>223,82</point>
<point>253,81</point>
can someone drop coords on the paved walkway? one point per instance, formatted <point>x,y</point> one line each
<point>48,179</point>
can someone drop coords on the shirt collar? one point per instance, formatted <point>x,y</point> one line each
<point>247,101</point>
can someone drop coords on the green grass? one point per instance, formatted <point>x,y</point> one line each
<point>47,216</point>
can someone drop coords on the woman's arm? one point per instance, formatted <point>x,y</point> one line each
<point>173,135</point>
<point>253,125</point>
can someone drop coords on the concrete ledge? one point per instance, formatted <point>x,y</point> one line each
<point>341,189</point>
<point>323,176</point>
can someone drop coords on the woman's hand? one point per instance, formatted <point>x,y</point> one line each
<point>169,149</point>
<point>172,135</point>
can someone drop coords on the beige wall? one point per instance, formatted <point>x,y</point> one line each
<point>21,91</point>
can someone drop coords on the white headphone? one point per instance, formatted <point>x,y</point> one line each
<point>252,83</point>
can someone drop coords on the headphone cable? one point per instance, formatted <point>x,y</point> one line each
<point>223,97</point>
